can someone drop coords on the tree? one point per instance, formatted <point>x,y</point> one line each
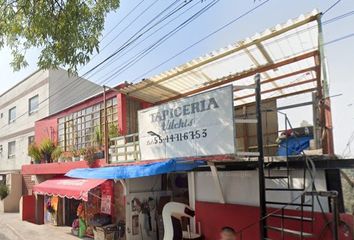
<point>66,31</point>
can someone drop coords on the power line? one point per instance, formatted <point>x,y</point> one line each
<point>201,40</point>
<point>152,47</point>
<point>130,24</point>
<point>130,41</point>
<point>332,6</point>
<point>92,69</point>
<point>122,48</point>
<point>127,15</point>
<point>350,13</point>
<point>327,43</point>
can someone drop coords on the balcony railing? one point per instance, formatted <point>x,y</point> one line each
<point>125,148</point>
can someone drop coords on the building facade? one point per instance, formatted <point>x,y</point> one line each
<point>42,93</point>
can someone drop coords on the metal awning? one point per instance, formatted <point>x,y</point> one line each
<point>285,55</point>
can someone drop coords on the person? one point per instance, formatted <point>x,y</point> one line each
<point>227,233</point>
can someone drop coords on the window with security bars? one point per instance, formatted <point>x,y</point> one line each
<point>77,130</point>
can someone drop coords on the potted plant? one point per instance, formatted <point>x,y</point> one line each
<point>82,153</point>
<point>90,156</point>
<point>67,157</point>
<point>56,154</point>
<point>98,143</point>
<point>47,147</point>
<point>35,153</point>
<point>75,155</point>
<point>47,151</point>
<point>113,132</point>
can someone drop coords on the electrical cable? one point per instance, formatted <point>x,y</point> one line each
<point>132,39</point>
<point>332,6</point>
<point>126,44</point>
<point>152,47</point>
<point>165,17</point>
<point>328,21</point>
<point>202,39</point>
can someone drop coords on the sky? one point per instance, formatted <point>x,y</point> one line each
<point>339,55</point>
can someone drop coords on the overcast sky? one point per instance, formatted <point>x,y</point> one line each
<point>339,54</point>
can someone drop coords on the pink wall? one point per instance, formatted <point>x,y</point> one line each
<point>48,127</point>
<point>214,216</point>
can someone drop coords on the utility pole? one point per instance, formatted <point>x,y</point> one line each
<point>262,195</point>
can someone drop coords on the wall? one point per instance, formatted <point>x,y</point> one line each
<point>241,193</point>
<point>244,218</point>
<point>48,127</point>
<point>43,84</point>
<point>23,127</point>
<point>241,187</point>
<point>12,202</point>
<point>76,90</point>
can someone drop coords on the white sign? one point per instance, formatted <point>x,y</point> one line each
<point>200,125</point>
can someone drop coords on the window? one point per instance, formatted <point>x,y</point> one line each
<point>33,104</point>
<point>11,149</point>
<point>12,114</point>
<point>30,140</point>
<point>77,130</point>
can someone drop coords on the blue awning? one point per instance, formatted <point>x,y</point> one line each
<point>134,171</point>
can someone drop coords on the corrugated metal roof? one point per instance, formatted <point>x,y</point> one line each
<point>273,47</point>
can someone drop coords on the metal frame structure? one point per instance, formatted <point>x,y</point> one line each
<point>289,58</point>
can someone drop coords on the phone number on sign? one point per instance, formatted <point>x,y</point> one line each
<point>177,137</point>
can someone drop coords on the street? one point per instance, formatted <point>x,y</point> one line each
<point>12,228</point>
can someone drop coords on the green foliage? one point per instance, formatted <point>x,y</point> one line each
<point>67,32</point>
<point>46,151</point>
<point>82,151</point>
<point>90,156</point>
<point>57,152</point>
<point>47,147</point>
<point>34,153</point>
<point>4,191</point>
<point>98,137</point>
<point>113,131</point>
<point>75,153</point>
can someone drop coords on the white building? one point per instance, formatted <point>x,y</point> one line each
<point>42,93</point>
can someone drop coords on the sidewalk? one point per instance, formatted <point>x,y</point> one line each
<point>12,228</point>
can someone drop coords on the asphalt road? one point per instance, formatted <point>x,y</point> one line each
<point>12,228</point>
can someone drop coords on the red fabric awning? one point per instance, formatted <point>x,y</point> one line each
<point>67,187</point>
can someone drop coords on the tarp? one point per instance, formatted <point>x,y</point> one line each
<point>134,171</point>
<point>67,187</point>
<point>295,145</point>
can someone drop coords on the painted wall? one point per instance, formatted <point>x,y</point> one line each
<point>241,187</point>
<point>23,127</point>
<point>44,84</point>
<point>48,127</point>
<point>244,219</point>
<point>12,202</point>
<point>240,190</point>
<point>74,90</point>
